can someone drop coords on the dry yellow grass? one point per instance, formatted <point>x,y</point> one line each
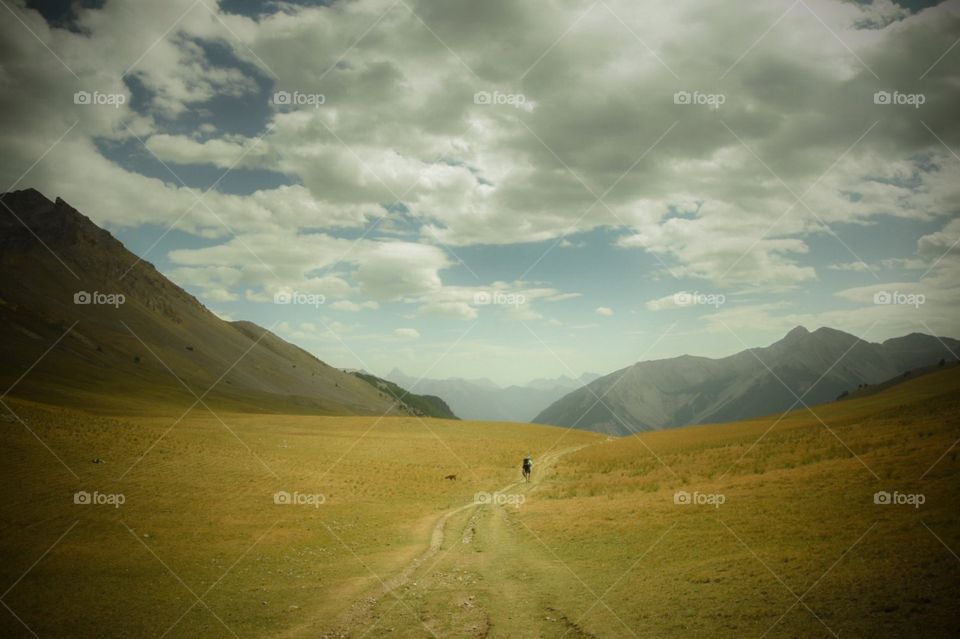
<point>598,548</point>
<point>798,521</point>
<point>199,514</point>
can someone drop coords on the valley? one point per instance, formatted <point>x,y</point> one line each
<point>595,546</point>
<point>479,319</point>
<point>169,473</point>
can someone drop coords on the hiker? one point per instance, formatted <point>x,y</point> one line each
<point>527,467</point>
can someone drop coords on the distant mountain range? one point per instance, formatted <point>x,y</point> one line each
<point>817,366</point>
<point>482,399</point>
<point>421,405</point>
<point>118,330</point>
<point>85,321</point>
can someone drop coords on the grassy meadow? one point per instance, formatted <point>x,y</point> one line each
<point>202,501</point>
<point>797,548</point>
<point>595,546</point>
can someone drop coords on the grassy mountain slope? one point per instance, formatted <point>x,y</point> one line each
<point>816,366</point>
<point>907,376</point>
<point>156,345</point>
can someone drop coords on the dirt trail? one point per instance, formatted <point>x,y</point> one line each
<point>477,586</point>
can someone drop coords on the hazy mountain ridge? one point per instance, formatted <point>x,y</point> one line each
<point>684,390</point>
<point>483,399</point>
<point>154,342</point>
<point>420,405</point>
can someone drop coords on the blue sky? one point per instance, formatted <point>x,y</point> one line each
<point>624,181</point>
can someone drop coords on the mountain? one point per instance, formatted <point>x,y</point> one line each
<point>864,390</point>
<point>420,405</point>
<point>482,399</point>
<point>117,328</point>
<point>684,390</point>
<point>563,381</point>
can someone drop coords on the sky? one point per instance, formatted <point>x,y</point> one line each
<point>509,190</point>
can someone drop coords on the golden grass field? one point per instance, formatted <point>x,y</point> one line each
<point>597,548</point>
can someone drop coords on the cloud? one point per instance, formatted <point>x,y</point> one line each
<point>942,244</point>
<point>407,333</point>
<point>713,247</point>
<point>223,153</point>
<point>560,297</point>
<point>857,267</point>
<point>687,299</point>
<point>664,303</point>
<point>353,307</point>
<point>399,120</point>
<point>878,293</point>
<point>604,311</point>
<point>399,169</point>
<point>452,310</point>
<point>394,270</point>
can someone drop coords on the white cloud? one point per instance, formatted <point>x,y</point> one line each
<point>857,267</point>
<point>869,294</point>
<point>664,303</point>
<point>353,307</point>
<point>223,153</point>
<point>407,333</point>
<point>400,141</point>
<point>506,185</point>
<point>394,270</point>
<point>605,311</point>
<point>453,310</point>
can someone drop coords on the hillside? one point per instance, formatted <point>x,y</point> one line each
<point>866,390</point>
<point>159,344</point>
<point>422,405</point>
<point>685,390</point>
